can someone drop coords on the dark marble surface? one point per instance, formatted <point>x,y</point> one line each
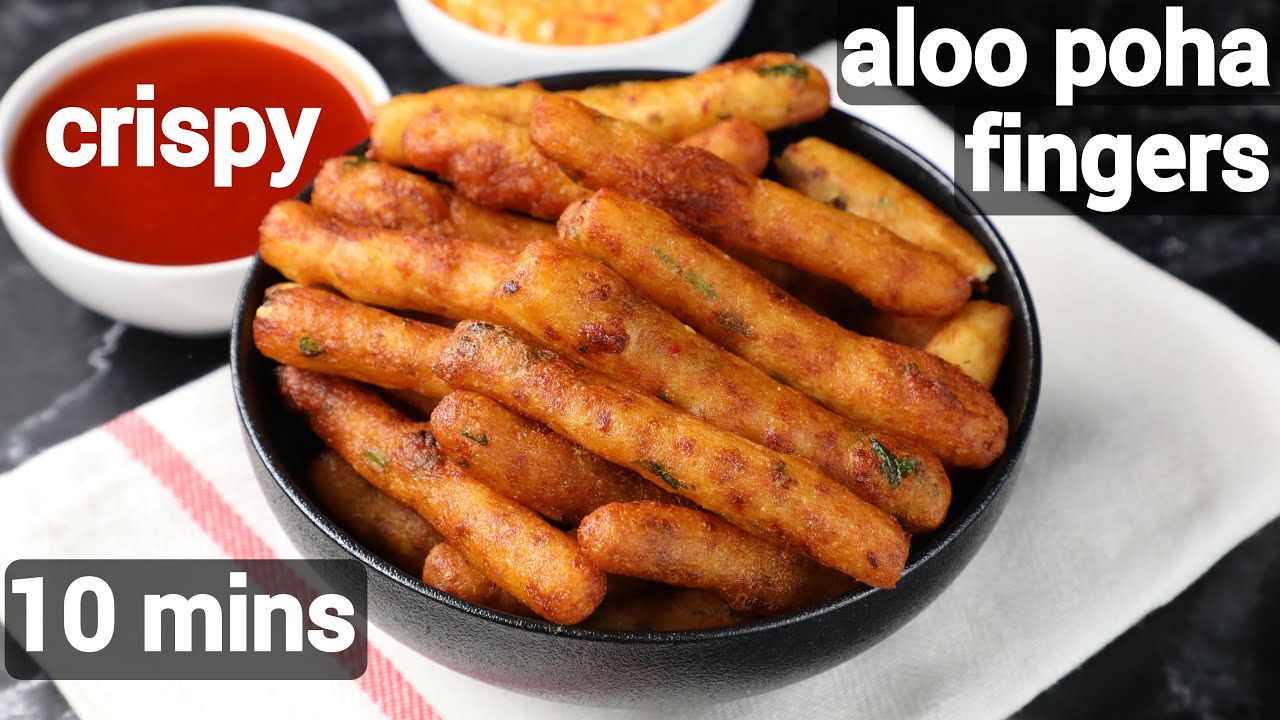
<point>1212,653</point>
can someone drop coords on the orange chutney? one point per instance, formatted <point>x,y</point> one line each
<point>166,215</point>
<point>566,22</point>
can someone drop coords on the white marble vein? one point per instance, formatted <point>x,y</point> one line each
<point>17,445</point>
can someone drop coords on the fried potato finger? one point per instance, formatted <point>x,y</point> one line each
<point>388,528</point>
<point>666,610</point>
<point>974,340</point>
<point>778,497</point>
<point>514,547</point>
<point>772,90</point>
<point>317,330</point>
<point>495,164</point>
<point>874,383</point>
<point>509,104</point>
<point>529,463</point>
<point>738,141</point>
<point>408,270</point>
<point>695,549</point>
<point>586,311</point>
<point>742,212</point>
<point>847,181</point>
<point>361,191</point>
<point>447,569</point>
<point>487,160</point>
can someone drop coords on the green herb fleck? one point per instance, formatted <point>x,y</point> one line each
<point>778,377</point>
<point>376,457</point>
<point>481,439</point>
<point>895,468</point>
<point>734,323</point>
<point>657,469</point>
<point>355,162</point>
<point>792,70</point>
<point>309,348</point>
<point>667,260</point>
<point>884,201</point>
<point>700,284</point>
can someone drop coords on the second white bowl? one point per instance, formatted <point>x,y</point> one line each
<point>475,56</point>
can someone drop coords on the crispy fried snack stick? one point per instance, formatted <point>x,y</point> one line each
<point>487,160</point>
<point>975,340</point>
<point>509,104</point>
<point>522,460</point>
<point>407,270</point>
<point>665,610</point>
<point>775,496</point>
<point>743,212</point>
<point>361,191</point>
<point>839,178</point>
<point>875,383</point>
<point>318,330</point>
<point>737,141</point>
<point>447,569</point>
<point>494,163</point>
<point>771,90</point>
<point>586,311</point>
<point>695,549</point>
<point>531,464</point>
<point>509,543</point>
<point>385,526</point>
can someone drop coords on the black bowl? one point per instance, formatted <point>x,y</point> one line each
<point>609,668</point>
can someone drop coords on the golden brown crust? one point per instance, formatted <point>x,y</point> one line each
<point>771,89</point>
<point>737,141</point>
<point>367,192</point>
<point>739,211</point>
<point>447,569</point>
<point>975,340</point>
<point>586,311</point>
<point>837,177</point>
<point>775,496</point>
<point>409,270</point>
<point>489,161</point>
<point>874,383</point>
<point>510,544</point>
<point>390,119</point>
<point>388,528</point>
<point>695,549</point>
<point>529,463</point>
<point>360,191</point>
<point>320,331</point>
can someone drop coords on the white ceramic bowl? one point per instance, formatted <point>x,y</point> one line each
<point>177,299</point>
<point>475,56</point>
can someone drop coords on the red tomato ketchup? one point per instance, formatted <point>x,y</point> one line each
<point>168,215</point>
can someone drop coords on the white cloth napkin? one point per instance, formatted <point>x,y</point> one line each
<point>1153,454</point>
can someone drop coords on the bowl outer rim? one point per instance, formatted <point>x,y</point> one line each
<point>1015,446</point>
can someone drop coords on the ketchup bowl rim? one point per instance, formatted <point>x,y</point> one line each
<point>318,45</point>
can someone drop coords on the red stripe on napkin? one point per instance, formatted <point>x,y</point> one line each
<point>382,681</point>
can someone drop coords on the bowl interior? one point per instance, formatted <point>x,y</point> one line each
<point>285,444</point>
